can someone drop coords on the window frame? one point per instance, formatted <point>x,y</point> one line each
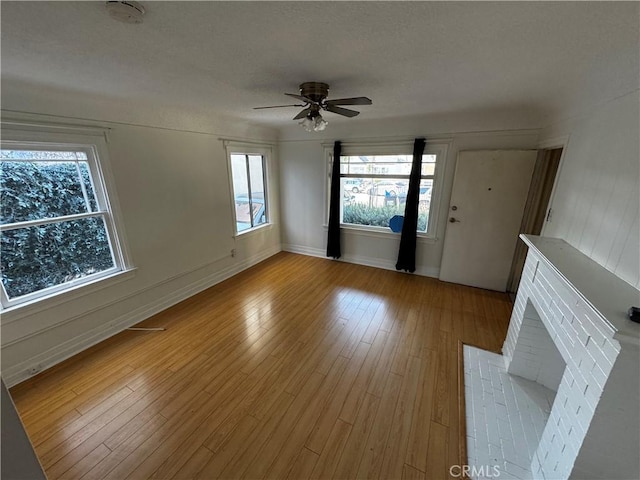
<point>439,148</point>
<point>250,150</point>
<point>92,143</point>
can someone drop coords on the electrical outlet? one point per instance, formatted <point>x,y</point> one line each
<point>35,369</point>
<point>233,252</point>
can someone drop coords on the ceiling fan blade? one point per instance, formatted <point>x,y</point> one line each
<point>299,97</point>
<point>350,101</point>
<point>342,111</point>
<point>302,114</point>
<point>279,106</point>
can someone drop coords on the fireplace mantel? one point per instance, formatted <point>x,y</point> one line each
<point>590,356</point>
<point>607,294</point>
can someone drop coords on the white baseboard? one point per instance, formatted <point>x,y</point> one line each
<point>20,372</point>
<point>312,252</point>
<point>359,260</point>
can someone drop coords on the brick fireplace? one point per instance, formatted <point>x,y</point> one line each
<point>569,332</point>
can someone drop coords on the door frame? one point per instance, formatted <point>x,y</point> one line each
<point>551,144</point>
<point>548,144</point>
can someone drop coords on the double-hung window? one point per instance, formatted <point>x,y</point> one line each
<point>249,186</point>
<point>374,181</point>
<point>56,226</point>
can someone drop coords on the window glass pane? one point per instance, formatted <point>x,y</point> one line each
<point>41,155</point>
<point>88,185</point>
<point>381,159</point>
<point>424,204</point>
<point>374,201</point>
<point>428,168</point>
<point>256,174</point>
<point>36,190</point>
<point>243,218</point>
<point>377,165</point>
<point>43,256</point>
<point>241,191</point>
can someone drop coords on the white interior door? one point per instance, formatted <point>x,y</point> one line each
<point>487,202</point>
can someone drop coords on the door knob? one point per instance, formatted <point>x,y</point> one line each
<point>453,220</point>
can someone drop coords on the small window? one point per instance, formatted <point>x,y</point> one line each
<point>56,228</point>
<point>249,190</point>
<point>374,184</point>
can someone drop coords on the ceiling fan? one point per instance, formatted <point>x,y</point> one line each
<point>314,98</point>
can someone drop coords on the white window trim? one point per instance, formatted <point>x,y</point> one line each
<point>234,148</point>
<point>439,148</point>
<point>94,143</point>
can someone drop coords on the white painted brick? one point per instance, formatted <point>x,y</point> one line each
<point>549,315</point>
<point>599,376</point>
<point>611,349</point>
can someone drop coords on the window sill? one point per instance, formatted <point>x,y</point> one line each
<point>244,233</point>
<point>16,312</point>
<point>380,232</point>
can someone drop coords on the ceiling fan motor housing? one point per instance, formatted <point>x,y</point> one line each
<point>125,11</point>
<point>315,91</point>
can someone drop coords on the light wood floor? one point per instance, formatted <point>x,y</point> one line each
<point>297,368</point>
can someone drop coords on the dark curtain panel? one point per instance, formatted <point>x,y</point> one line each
<point>333,242</point>
<point>407,252</point>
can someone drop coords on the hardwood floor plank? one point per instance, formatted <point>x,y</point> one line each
<point>122,455</point>
<point>331,411</point>
<point>354,448</point>
<point>79,430</point>
<point>260,465</point>
<point>328,461</point>
<point>383,366</point>
<point>371,462</point>
<point>261,436</point>
<point>228,450</point>
<point>437,464</point>
<point>303,465</point>
<point>410,473</point>
<point>206,416</point>
<point>110,422</point>
<point>444,385</point>
<point>421,421</point>
<point>358,392</point>
<point>194,465</point>
<point>299,367</point>
<point>398,441</point>
<point>87,463</point>
<point>284,460</point>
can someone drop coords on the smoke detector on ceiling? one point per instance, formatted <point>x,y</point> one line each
<point>126,12</point>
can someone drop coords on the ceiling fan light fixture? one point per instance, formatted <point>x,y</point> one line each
<point>307,123</point>
<point>314,122</point>
<point>314,98</point>
<point>319,124</point>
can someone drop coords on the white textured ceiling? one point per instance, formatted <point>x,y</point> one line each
<point>411,58</point>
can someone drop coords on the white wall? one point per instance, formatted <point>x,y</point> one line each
<point>173,189</point>
<point>18,460</point>
<point>303,181</point>
<point>171,178</point>
<point>597,197</point>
